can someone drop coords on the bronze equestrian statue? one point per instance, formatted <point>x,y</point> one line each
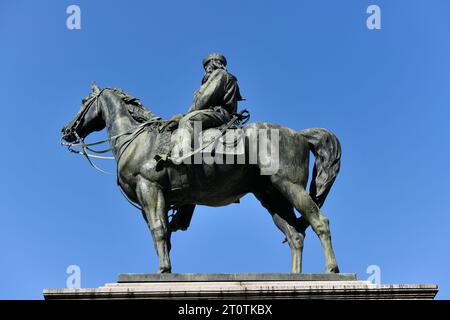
<point>135,139</point>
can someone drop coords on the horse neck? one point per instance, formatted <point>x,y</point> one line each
<point>115,114</point>
<point>117,119</point>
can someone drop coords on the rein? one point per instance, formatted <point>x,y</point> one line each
<point>85,147</point>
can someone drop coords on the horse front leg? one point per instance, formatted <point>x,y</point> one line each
<point>154,209</point>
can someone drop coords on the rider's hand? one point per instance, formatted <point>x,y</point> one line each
<point>172,125</point>
<point>173,122</point>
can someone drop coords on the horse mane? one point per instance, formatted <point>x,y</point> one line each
<point>135,107</point>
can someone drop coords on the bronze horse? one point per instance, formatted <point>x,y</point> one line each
<point>216,184</point>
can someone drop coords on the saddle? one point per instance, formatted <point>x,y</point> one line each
<point>227,139</point>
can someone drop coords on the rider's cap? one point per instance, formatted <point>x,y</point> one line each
<point>215,56</point>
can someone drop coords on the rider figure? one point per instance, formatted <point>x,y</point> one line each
<point>214,102</point>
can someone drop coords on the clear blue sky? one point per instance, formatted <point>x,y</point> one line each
<point>385,93</point>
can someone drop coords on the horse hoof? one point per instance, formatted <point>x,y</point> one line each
<point>165,270</point>
<point>334,269</point>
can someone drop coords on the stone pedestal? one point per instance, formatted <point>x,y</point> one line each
<point>245,286</point>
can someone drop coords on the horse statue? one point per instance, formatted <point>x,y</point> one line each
<point>134,145</point>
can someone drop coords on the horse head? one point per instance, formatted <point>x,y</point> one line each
<point>87,120</point>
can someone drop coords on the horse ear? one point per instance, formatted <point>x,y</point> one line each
<point>94,87</point>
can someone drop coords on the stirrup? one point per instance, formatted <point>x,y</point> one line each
<point>161,161</point>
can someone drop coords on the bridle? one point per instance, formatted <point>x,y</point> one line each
<point>86,148</point>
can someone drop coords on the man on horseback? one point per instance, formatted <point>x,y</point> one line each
<point>133,136</point>
<point>213,104</point>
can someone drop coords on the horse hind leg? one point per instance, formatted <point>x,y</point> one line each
<point>284,218</point>
<point>303,202</point>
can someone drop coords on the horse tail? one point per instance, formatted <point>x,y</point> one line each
<point>327,152</point>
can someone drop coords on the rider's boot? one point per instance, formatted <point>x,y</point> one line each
<point>181,148</point>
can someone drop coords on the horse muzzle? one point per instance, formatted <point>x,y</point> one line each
<point>68,135</point>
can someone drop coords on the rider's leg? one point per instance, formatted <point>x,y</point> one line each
<point>207,118</point>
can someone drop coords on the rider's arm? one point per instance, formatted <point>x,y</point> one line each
<point>211,91</point>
